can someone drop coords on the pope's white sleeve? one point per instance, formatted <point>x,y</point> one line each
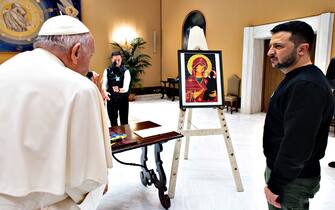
<point>104,80</point>
<point>126,82</point>
<point>87,153</point>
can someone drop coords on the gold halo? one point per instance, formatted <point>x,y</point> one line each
<point>193,57</point>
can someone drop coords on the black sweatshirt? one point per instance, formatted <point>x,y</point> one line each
<point>296,126</point>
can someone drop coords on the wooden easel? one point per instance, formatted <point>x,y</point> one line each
<point>202,132</point>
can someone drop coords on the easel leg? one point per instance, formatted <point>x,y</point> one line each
<point>176,155</point>
<point>188,126</point>
<point>230,152</point>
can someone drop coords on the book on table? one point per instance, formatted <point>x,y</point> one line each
<point>116,137</point>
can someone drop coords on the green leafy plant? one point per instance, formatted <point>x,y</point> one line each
<point>133,59</point>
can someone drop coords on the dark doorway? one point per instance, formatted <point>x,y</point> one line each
<point>194,18</point>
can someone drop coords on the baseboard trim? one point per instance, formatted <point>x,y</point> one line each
<point>147,90</point>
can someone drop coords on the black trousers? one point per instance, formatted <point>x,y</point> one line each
<point>118,104</point>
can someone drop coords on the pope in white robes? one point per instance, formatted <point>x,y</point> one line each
<point>54,137</point>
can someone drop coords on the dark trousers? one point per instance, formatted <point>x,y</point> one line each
<point>296,194</point>
<point>118,104</point>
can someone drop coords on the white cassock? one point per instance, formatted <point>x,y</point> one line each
<point>53,134</point>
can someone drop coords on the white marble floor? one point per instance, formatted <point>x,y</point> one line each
<point>205,181</point>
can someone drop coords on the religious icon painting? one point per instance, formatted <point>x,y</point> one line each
<point>200,78</point>
<point>21,20</point>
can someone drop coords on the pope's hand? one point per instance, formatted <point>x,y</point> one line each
<point>105,95</point>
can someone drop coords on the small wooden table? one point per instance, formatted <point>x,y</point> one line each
<point>169,88</point>
<point>133,141</point>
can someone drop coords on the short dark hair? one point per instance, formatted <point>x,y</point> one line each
<point>301,32</point>
<point>115,53</point>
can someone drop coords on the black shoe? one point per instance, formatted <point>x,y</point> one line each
<point>332,164</point>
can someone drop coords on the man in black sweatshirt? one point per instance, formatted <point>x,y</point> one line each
<point>297,123</point>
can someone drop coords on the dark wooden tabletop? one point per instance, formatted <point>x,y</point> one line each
<point>133,141</point>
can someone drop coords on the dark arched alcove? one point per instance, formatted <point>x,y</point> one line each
<point>194,18</point>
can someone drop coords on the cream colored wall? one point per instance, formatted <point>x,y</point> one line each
<point>104,16</point>
<point>225,21</point>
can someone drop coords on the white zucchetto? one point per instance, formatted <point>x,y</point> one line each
<point>62,25</point>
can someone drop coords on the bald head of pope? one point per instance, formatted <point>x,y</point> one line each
<point>69,39</point>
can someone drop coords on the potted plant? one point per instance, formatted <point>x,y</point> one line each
<point>134,60</point>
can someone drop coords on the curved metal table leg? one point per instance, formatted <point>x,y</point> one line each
<point>160,183</point>
<point>145,175</point>
<point>149,177</point>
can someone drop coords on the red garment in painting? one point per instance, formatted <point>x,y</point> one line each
<point>195,89</point>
